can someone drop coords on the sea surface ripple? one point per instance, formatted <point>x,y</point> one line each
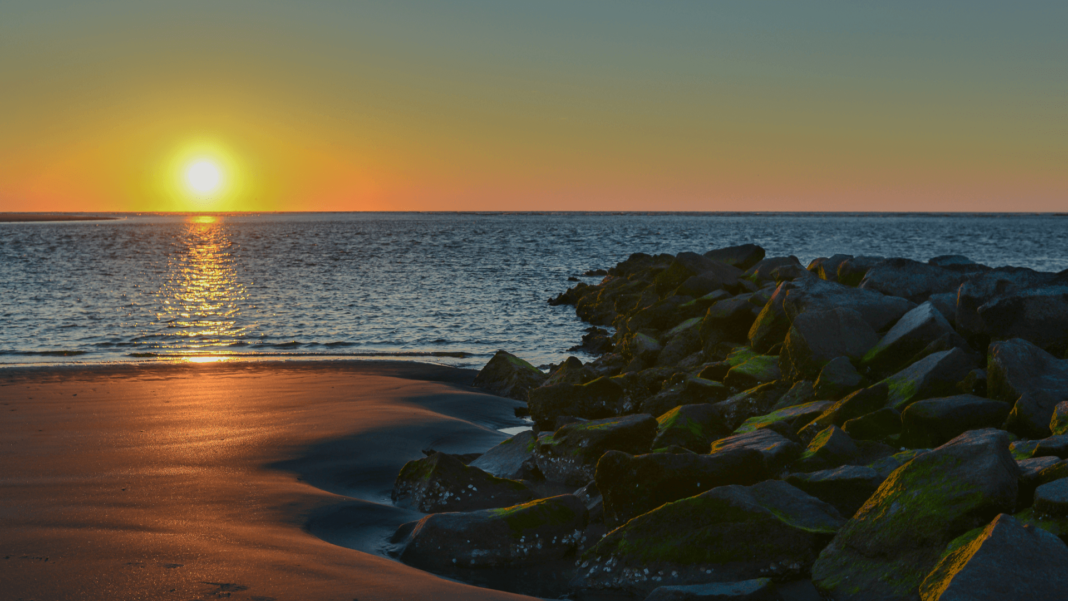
<point>447,288</point>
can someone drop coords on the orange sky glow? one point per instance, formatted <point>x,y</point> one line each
<point>478,106</point>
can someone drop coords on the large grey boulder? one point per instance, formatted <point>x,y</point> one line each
<point>829,449</point>
<point>570,454</point>
<point>757,370</point>
<point>910,335</point>
<point>818,336</point>
<point>775,445</point>
<point>794,298</point>
<point>911,279</point>
<point>441,482</point>
<point>750,403</point>
<point>692,427</point>
<point>729,533</point>
<point>632,485</point>
<point>688,265</point>
<point>1038,315</point>
<point>1005,560</point>
<point>936,375</point>
<point>826,268</point>
<point>598,399</point>
<point>742,256</point>
<point>847,487</point>
<point>852,271</point>
<point>522,535</point>
<point>509,376</point>
<point>776,269</point>
<point>983,288</point>
<point>729,320</point>
<point>837,379</point>
<point>794,417</point>
<point>932,422</point>
<point>898,536</point>
<point>513,458</point>
<point>1034,381</point>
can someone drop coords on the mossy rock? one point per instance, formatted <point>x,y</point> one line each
<point>570,454</point>
<point>509,376</point>
<point>898,535</point>
<point>522,535</point>
<point>597,399</point>
<point>759,369</point>
<point>935,375</point>
<point>441,482</point>
<point>796,416</point>
<point>728,533</point>
<point>693,427</point>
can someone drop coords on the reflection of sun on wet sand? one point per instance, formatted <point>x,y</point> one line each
<point>197,481</point>
<point>19,217</point>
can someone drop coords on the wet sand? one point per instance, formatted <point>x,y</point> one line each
<point>213,481</point>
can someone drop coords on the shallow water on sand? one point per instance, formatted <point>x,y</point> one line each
<point>448,288</point>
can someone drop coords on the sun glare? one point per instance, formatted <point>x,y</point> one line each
<point>203,176</point>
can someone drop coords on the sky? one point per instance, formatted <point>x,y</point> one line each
<point>550,105</point>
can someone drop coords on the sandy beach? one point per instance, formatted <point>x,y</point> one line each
<point>222,480</point>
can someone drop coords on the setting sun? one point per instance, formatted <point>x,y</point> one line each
<point>204,176</point>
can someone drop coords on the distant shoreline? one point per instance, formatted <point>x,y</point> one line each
<point>28,217</point>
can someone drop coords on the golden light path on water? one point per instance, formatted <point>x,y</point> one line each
<point>201,296</point>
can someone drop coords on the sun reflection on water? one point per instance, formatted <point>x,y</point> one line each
<point>202,296</point>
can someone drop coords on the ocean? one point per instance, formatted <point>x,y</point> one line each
<point>444,288</point>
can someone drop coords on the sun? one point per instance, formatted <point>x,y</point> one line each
<point>204,176</point>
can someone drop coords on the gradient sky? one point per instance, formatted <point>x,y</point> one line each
<point>547,105</point>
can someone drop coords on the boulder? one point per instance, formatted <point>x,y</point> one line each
<point>911,279</point>
<point>946,304</point>
<point>982,288</point>
<point>954,262</point>
<point>829,449</point>
<point>661,315</point>
<point>886,465</point>
<point>933,422</point>
<point>852,271</point>
<point>753,402</point>
<point>742,256</point>
<point>509,376</point>
<point>1038,315</point>
<point>909,336</point>
<point>536,532</point>
<point>758,589</point>
<point>778,450</point>
<point>1031,477</point>
<point>1034,381</point>
<point>633,485</point>
<point>640,346</point>
<point>596,341</point>
<point>794,298</point>
<point>729,533</point>
<point>757,370</point>
<point>682,341</point>
<point>687,265</point>
<point>1054,446</point>
<point>570,454</point>
<point>1005,560</point>
<point>715,371</point>
<point>837,379</point>
<point>817,337</point>
<point>854,405</point>
<point>513,458</point>
<point>569,372</point>
<point>935,375</point>
<point>692,427</point>
<point>794,416</point>
<point>441,482</point>
<point>884,424</point>
<point>827,268</point>
<point>687,392</point>
<point>847,487</point>
<point>1052,499</point>
<point>729,320</point>
<point>896,538</point>
<point>598,399</point>
<point>800,393</point>
<point>1058,424</point>
<point>767,269</point>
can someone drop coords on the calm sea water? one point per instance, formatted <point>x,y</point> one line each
<point>298,286</point>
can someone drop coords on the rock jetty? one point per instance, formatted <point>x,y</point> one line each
<point>863,428</point>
